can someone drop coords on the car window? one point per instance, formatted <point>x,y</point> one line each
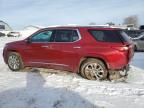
<point>105,35</point>
<point>44,36</point>
<point>66,36</point>
<point>124,36</point>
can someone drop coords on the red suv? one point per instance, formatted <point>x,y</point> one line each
<point>94,52</point>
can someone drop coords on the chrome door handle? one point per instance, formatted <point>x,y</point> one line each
<point>45,46</point>
<point>77,47</point>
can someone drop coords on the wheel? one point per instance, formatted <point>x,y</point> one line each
<point>14,61</point>
<point>93,69</point>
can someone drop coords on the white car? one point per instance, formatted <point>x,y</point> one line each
<point>139,42</point>
<point>13,34</point>
<point>2,34</point>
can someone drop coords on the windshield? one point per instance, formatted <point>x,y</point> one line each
<point>140,36</point>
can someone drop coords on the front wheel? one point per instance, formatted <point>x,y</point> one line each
<point>93,69</point>
<point>14,61</point>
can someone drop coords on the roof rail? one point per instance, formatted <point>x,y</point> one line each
<point>73,25</point>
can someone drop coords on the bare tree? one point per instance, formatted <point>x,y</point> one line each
<point>110,23</point>
<point>131,20</point>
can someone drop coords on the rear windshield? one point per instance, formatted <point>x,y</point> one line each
<point>115,36</point>
<point>125,37</point>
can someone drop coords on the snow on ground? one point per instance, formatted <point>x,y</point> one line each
<point>138,60</point>
<point>46,88</point>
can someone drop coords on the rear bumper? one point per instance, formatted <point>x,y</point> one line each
<point>124,71</point>
<point>120,59</point>
<point>125,67</point>
<point>114,75</point>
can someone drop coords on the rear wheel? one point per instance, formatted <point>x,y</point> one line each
<point>93,69</point>
<point>14,61</point>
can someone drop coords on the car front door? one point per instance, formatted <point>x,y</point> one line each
<point>37,51</point>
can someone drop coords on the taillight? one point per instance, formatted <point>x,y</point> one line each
<point>125,48</point>
<point>122,48</point>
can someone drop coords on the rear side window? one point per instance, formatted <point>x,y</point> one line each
<point>66,36</point>
<point>115,36</point>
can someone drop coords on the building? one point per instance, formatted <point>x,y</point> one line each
<point>4,26</point>
<point>28,30</point>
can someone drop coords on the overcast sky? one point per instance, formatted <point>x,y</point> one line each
<point>20,13</point>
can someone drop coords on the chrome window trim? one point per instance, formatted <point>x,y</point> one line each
<point>79,35</point>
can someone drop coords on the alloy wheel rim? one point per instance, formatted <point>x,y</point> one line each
<point>95,71</point>
<point>14,62</point>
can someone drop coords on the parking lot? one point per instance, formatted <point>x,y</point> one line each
<point>50,88</point>
<point>138,60</point>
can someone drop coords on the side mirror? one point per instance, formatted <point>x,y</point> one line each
<point>28,40</point>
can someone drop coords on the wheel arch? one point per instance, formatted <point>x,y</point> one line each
<point>91,57</point>
<point>11,50</point>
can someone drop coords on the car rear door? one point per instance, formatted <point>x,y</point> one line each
<point>66,46</point>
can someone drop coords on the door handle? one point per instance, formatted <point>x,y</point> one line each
<point>77,47</point>
<point>45,46</point>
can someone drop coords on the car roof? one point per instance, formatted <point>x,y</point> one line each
<point>78,27</point>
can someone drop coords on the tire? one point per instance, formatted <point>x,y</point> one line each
<point>93,69</point>
<point>14,61</point>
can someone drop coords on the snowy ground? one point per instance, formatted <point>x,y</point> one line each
<point>43,88</point>
<point>138,60</point>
